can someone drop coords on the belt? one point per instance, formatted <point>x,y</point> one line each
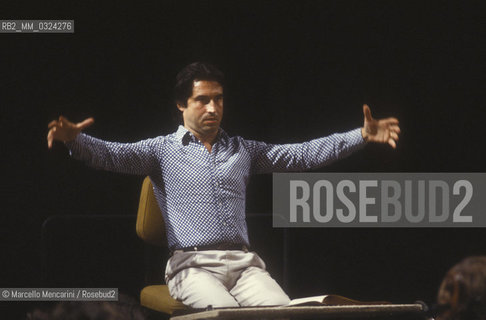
<point>219,246</point>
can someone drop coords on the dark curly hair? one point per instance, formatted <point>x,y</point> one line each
<point>196,71</point>
<point>462,294</point>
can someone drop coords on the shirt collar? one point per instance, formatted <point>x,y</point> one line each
<point>184,136</point>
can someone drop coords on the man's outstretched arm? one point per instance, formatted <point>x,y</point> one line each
<point>323,151</point>
<point>132,158</point>
<point>64,130</point>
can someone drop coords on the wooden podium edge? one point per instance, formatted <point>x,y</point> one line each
<point>284,311</point>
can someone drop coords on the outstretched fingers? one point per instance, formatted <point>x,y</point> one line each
<point>85,123</point>
<point>367,113</point>
<point>395,128</point>
<point>52,124</point>
<point>394,135</point>
<point>380,130</point>
<point>65,130</point>
<point>50,139</point>
<point>391,121</point>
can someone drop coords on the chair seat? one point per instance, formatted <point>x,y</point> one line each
<point>157,298</point>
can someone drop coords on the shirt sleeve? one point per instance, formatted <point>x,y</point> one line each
<point>309,155</point>
<point>132,158</point>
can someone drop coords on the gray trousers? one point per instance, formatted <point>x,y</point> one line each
<point>222,278</point>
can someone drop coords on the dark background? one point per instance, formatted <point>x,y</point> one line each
<point>295,71</point>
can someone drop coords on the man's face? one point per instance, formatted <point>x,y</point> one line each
<point>204,110</point>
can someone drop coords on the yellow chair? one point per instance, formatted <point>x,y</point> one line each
<point>151,229</point>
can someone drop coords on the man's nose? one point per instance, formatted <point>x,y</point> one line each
<point>211,107</point>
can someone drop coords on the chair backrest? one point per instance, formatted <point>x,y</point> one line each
<point>150,223</point>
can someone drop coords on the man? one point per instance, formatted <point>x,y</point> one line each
<point>200,176</point>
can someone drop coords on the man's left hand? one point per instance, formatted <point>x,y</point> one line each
<point>380,130</point>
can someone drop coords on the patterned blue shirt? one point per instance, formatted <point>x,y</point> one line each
<point>200,193</point>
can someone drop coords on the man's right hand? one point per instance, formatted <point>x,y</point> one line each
<point>65,130</point>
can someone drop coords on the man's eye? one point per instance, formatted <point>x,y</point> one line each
<point>203,100</point>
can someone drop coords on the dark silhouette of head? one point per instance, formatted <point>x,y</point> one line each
<point>462,294</point>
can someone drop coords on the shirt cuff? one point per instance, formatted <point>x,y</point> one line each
<point>355,138</point>
<point>74,145</point>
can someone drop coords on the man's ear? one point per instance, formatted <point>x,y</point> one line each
<point>181,107</point>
